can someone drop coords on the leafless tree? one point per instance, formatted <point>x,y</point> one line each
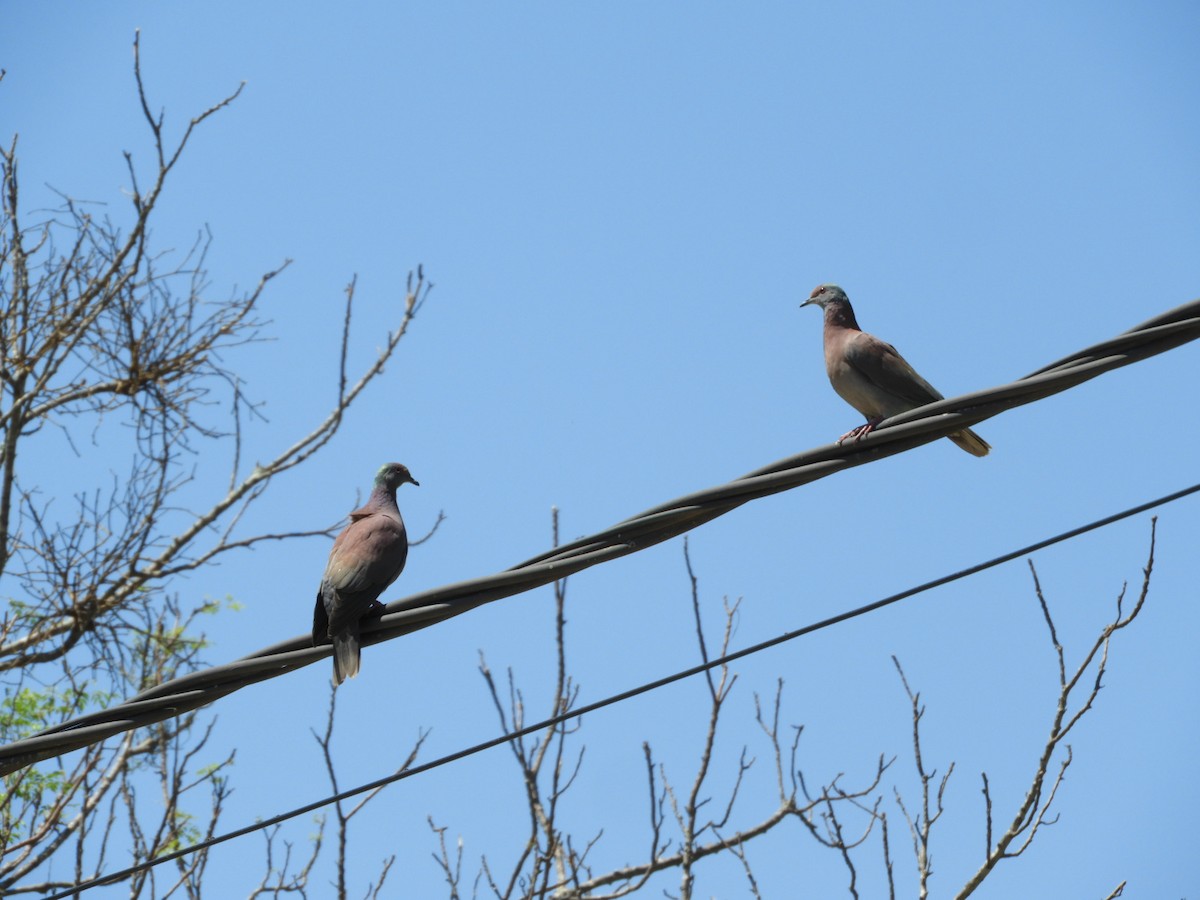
<point>343,812</point>
<point>682,827</point>
<point>1034,810</point>
<point>107,343</point>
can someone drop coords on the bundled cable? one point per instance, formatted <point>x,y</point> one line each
<point>660,523</point>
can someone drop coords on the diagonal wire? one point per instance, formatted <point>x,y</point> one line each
<point>657,524</point>
<point>580,711</point>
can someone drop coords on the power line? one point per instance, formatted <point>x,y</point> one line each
<point>920,426</point>
<point>631,693</point>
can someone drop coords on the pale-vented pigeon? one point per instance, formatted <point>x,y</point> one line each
<point>367,556</point>
<point>870,375</point>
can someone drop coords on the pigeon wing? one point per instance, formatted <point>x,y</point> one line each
<point>881,364</point>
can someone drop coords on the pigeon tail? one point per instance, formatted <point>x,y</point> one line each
<point>346,655</point>
<point>971,442</point>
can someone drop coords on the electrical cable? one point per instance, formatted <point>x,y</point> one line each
<point>895,435</point>
<point>629,694</point>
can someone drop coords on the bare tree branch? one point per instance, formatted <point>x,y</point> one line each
<point>344,814</point>
<point>1034,811</point>
<point>921,826</point>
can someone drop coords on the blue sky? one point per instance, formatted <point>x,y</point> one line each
<point>622,206</point>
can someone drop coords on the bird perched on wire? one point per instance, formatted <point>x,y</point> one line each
<point>870,375</point>
<point>367,556</point>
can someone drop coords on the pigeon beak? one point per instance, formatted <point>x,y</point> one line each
<point>412,480</point>
<point>806,302</point>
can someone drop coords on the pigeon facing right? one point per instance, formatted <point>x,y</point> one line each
<point>367,556</point>
<point>870,375</point>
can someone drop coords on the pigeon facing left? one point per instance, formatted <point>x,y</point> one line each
<point>367,556</point>
<point>870,375</point>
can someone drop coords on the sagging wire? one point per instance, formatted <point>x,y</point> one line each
<point>660,523</point>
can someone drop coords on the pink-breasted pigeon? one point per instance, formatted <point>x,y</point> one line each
<point>366,557</point>
<point>870,375</point>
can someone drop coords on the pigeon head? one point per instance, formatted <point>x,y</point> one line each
<point>826,293</point>
<point>391,475</point>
